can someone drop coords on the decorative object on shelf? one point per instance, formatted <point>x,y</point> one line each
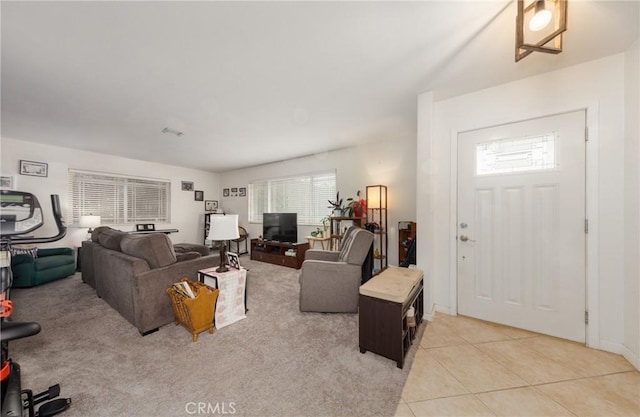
<point>145,227</point>
<point>187,186</point>
<point>199,195</point>
<point>90,221</point>
<point>7,182</point>
<point>225,192</point>
<point>243,191</point>
<point>210,205</point>
<point>35,169</point>
<point>538,17</point>
<point>377,217</point>
<point>223,227</point>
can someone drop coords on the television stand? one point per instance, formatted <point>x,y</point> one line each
<point>276,252</point>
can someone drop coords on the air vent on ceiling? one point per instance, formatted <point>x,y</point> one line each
<point>172,131</point>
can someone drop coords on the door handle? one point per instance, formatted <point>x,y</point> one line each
<point>464,238</point>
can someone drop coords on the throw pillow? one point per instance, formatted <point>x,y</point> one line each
<point>110,239</point>
<point>33,252</point>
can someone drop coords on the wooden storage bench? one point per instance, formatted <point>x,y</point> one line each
<point>384,303</point>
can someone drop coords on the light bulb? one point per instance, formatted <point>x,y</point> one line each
<point>540,20</point>
<point>541,17</point>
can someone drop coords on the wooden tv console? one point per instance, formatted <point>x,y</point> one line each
<point>274,252</point>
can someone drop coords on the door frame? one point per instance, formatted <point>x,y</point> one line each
<point>591,110</point>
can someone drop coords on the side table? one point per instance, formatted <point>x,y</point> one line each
<point>312,241</point>
<point>231,305</point>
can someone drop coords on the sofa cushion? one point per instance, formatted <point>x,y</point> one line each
<point>155,248</point>
<point>111,238</point>
<point>187,256</point>
<point>191,247</point>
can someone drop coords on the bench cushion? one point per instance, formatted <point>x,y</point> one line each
<point>393,284</point>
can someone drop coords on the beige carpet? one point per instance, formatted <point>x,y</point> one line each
<point>276,362</point>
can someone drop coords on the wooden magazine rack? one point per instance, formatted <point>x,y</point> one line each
<point>195,314</point>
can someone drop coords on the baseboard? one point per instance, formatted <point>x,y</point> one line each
<point>445,310</point>
<point>632,357</point>
<point>430,316</point>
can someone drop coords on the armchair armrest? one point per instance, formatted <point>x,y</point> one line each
<point>321,255</point>
<point>329,286</point>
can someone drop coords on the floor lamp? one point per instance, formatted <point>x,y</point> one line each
<point>223,227</point>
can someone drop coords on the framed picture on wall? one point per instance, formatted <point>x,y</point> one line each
<point>7,182</point>
<point>187,186</point>
<point>225,192</point>
<point>243,191</point>
<point>199,195</point>
<point>211,205</point>
<point>36,169</point>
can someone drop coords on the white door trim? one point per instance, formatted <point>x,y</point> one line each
<point>592,177</point>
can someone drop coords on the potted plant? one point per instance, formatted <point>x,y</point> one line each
<point>356,207</point>
<point>325,224</point>
<point>336,205</point>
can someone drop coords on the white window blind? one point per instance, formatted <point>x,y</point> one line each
<point>118,199</point>
<point>307,195</point>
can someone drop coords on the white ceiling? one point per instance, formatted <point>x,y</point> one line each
<point>255,82</point>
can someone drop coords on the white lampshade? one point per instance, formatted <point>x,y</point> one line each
<point>89,221</point>
<point>223,227</point>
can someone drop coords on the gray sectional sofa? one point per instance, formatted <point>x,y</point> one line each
<point>132,272</point>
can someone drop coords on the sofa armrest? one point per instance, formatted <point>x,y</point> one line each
<point>21,259</point>
<point>321,255</point>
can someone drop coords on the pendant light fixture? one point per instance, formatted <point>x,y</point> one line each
<point>539,14</point>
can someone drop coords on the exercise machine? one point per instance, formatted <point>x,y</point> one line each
<point>20,213</point>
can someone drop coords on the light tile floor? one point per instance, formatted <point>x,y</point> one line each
<point>468,367</point>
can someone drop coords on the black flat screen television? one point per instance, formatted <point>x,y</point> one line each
<point>280,227</point>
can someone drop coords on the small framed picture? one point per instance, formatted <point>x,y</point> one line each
<point>233,260</point>
<point>36,169</point>
<point>7,182</point>
<point>234,192</point>
<point>243,191</point>
<point>210,205</point>
<point>145,227</point>
<point>187,186</point>
<point>199,195</point>
<point>225,192</point>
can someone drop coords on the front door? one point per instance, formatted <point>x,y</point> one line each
<point>521,225</point>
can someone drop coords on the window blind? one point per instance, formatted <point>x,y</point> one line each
<point>306,195</point>
<point>118,199</point>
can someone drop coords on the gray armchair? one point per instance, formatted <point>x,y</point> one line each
<point>330,280</point>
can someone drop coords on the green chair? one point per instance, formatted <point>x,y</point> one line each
<point>48,265</point>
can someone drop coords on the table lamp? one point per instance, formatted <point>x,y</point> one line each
<point>89,221</point>
<point>223,227</point>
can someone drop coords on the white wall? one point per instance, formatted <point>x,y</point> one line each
<point>187,215</point>
<point>390,163</point>
<point>598,85</point>
<point>632,207</point>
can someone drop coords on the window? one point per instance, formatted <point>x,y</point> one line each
<point>534,153</point>
<point>306,195</point>
<point>118,199</point>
